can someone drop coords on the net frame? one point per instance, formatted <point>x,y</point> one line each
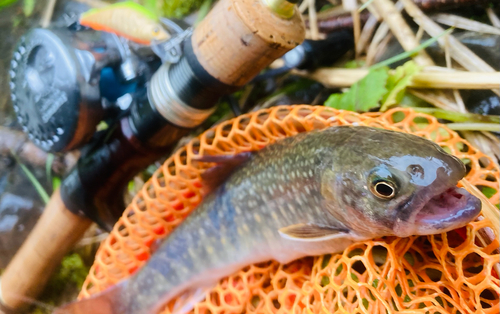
<point>452,272</point>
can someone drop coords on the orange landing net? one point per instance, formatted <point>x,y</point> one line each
<point>454,272</point>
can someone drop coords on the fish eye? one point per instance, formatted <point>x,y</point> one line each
<point>383,183</point>
<point>383,189</point>
<point>156,30</point>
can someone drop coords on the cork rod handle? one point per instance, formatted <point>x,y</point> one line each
<point>54,235</point>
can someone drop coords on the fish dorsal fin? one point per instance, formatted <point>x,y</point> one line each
<point>226,164</point>
<point>311,233</point>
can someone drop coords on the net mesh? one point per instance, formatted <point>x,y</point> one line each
<point>454,272</point>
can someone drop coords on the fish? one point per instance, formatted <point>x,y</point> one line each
<point>127,19</point>
<point>310,194</point>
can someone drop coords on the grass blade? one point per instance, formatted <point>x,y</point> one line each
<point>39,188</point>
<point>408,54</point>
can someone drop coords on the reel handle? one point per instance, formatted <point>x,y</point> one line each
<point>56,232</point>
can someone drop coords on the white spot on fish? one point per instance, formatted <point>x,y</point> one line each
<point>274,216</point>
<point>307,189</point>
<point>237,210</point>
<point>257,218</point>
<point>281,188</point>
<point>245,227</point>
<point>191,252</point>
<point>283,211</point>
<point>210,250</point>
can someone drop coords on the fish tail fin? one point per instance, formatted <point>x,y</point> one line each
<point>106,302</point>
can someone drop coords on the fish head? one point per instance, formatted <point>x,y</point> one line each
<point>399,184</point>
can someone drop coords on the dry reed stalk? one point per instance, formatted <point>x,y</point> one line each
<point>488,210</point>
<point>379,36</point>
<point>339,77</point>
<point>495,21</point>
<point>464,23</point>
<point>401,30</point>
<point>459,52</point>
<point>313,20</point>
<point>47,13</point>
<point>437,98</point>
<point>366,34</point>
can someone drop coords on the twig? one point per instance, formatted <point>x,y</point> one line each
<point>339,22</point>
<point>339,77</point>
<point>495,21</point>
<point>47,13</point>
<point>464,23</point>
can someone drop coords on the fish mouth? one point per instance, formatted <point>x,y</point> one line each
<point>448,210</point>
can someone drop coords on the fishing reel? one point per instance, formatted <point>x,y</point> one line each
<point>66,79</point>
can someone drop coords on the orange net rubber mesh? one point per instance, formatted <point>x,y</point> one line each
<point>454,272</point>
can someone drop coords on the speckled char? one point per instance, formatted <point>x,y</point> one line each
<point>232,43</point>
<point>303,195</point>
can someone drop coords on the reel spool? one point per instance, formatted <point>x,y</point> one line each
<point>56,86</point>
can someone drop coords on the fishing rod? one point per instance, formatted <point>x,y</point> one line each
<point>57,83</point>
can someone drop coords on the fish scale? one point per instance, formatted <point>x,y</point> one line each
<point>310,194</point>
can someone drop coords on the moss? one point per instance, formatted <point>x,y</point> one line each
<point>65,284</point>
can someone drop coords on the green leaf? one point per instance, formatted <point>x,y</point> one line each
<point>5,3</point>
<point>28,7</point>
<point>48,166</point>
<point>397,83</point>
<point>364,95</point>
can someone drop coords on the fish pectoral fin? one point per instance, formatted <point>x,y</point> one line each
<point>226,164</point>
<point>311,233</point>
<point>186,301</point>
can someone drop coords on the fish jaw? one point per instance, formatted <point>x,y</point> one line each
<point>446,211</point>
<point>443,211</point>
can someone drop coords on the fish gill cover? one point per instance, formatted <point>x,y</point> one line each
<point>453,272</point>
